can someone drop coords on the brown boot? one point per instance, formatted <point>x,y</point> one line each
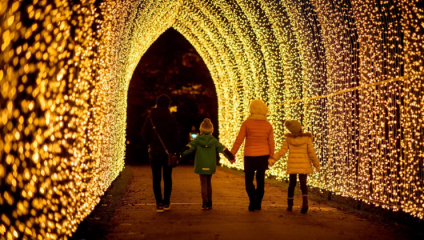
<point>305,205</point>
<point>290,204</point>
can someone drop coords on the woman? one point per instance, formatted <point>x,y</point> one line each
<point>167,128</point>
<point>259,147</point>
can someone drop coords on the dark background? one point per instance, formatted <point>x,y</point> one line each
<point>170,66</point>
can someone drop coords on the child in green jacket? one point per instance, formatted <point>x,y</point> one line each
<point>206,147</point>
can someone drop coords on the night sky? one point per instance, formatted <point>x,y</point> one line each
<point>170,66</point>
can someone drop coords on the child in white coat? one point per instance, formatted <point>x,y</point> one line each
<point>302,156</point>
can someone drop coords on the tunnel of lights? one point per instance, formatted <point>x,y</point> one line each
<point>65,68</point>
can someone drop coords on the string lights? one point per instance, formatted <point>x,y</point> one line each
<point>65,68</point>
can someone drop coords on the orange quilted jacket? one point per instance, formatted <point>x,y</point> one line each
<point>259,138</point>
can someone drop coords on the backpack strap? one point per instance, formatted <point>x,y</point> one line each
<point>160,139</point>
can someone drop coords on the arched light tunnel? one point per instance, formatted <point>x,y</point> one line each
<point>350,70</point>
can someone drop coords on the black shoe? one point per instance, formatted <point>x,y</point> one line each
<point>166,207</point>
<point>290,204</point>
<point>258,206</point>
<point>252,204</point>
<point>204,206</point>
<point>209,204</point>
<point>159,208</point>
<point>258,203</point>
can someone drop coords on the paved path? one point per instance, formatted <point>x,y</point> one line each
<point>136,218</point>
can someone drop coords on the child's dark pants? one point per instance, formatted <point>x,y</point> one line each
<point>205,182</point>
<point>292,184</point>
<point>157,163</point>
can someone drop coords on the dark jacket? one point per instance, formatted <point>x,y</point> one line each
<point>166,126</point>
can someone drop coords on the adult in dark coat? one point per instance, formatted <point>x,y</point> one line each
<point>167,128</point>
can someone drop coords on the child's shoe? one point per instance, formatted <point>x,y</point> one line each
<point>159,208</point>
<point>209,204</point>
<point>290,204</point>
<point>166,207</point>
<point>305,205</point>
<point>204,206</point>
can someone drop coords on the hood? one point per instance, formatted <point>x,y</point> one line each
<point>297,139</point>
<point>205,140</point>
<point>257,117</point>
<point>258,107</point>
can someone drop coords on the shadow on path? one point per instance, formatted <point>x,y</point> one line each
<point>127,211</point>
<point>135,216</point>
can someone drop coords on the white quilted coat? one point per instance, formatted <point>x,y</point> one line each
<point>301,153</point>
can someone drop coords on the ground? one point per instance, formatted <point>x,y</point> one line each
<point>130,213</point>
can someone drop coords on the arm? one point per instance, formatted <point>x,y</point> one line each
<point>313,156</point>
<point>282,151</point>
<point>271,143</point>
<point>222,149</point>
<point>239,139</point>
<point>192,146</point>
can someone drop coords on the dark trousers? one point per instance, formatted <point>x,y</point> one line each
<point>292,184</point>
<point>259,165</point>
<point>205,182</point>
<point>159,162</point>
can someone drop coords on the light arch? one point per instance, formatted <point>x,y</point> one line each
<point>237,69</point>
<point>65,68</point>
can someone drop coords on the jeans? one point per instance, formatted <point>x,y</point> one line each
<point>292,184</point>
<point>159,162</point>
<point>260,165</point>
<point>205,182</point>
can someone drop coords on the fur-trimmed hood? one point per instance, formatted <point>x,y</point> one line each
<point>298,139</point>
<point>292,135</point>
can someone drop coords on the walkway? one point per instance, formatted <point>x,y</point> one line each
<point>135,217</point>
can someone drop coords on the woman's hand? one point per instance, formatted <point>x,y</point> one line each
<point>233,161</point>
<point>271,162</point>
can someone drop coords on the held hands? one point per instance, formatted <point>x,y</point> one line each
<point>271,162</point>
<point>229,156</point>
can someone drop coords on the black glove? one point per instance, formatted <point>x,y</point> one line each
<point>229,155</point>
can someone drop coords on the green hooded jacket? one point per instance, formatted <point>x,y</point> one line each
<point>206,147</point>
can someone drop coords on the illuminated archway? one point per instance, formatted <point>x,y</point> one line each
<point>66,66</point>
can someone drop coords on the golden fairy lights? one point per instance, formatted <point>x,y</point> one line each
<point>65,70</point>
